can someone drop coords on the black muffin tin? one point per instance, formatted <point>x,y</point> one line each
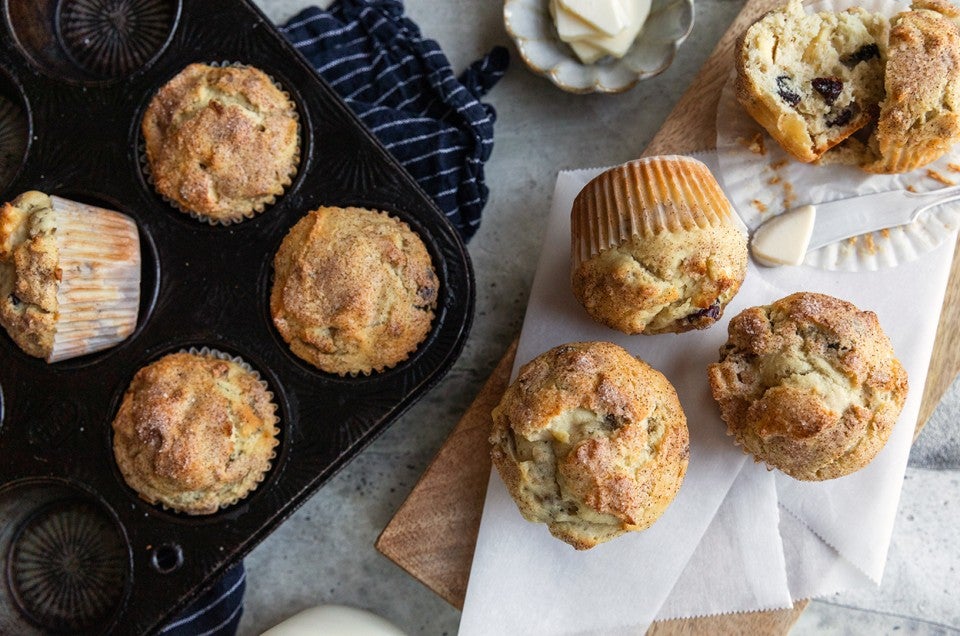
<point>80,552</point>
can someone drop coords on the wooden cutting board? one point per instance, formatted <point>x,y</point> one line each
<point>434,533</point>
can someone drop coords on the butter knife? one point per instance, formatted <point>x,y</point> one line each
<point>786,238</point>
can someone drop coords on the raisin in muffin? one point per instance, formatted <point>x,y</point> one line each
<point>591,441</point>
<point>656,247</point>
<point>809,385</point>
<point>354,290</point>
<point>812,80</point>
<point>221,142</point>
<point>69,276</point>
<point>920,114</point>
<point>195,432</point>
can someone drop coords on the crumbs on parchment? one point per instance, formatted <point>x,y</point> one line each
<point>952,167</point>
<point>936,176</point>
<point>755,144</point>
<point>760,205</point>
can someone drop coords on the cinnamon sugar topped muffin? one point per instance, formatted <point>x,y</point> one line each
<point>809,385</point>
<point>354,290</point>
<point>591,441</point>
<point>195,432</point>
<point>221,142</point>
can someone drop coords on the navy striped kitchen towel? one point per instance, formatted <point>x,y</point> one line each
<point>215,613</point>
<point>402,87</point>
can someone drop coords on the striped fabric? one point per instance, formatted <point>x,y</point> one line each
<point>217,612</point>
<point>402,87</point>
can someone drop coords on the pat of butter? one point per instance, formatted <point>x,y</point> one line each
<point>590,43</point>
<point>608,16</point>
<point>587,53</point>
<point>618,45</point>
<point>783,239</point>
<point>569,26</point>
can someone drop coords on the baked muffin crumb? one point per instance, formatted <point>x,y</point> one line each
<point>591,441</point>
<point>195,432</point>
<point>809,385</point>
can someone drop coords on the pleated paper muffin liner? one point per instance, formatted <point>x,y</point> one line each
<point>644,198</point>
<point>99,292</point>
<point>262,205</point>
<point>264,470</point>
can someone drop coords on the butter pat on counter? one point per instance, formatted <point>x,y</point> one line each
<point>597,28</point>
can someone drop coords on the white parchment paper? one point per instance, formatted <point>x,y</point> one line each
<point>525,581</point>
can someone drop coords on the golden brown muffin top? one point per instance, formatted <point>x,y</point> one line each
<point>221,141</point>
<point>194,432</point>
<point>809,385</point>
<point>354,290</point>
<point>29,272</point>
<point>918,120</point>
<point>591,441</point>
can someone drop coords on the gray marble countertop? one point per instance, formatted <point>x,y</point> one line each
<point>324,553</point>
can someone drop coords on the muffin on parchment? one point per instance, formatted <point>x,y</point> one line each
<point>591,441</point>
<point>221,142</point>
<point>69,276</point>
<point>354,290</point>
<point>656,247</point>
<point>195,432</point>
<point>809,385</point>
<point>812,79</point>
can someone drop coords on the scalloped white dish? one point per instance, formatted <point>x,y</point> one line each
<point>529,24</point>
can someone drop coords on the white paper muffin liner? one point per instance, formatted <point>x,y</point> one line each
<point>644,198</point>
<point>260,207</point>
<point>99,291</point>
<point>761,185</point>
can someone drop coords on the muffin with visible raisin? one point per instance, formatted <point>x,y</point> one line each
<point>809,385</point>
<point>195,432</point>
<point>221,142</point>
<point>69,276</point>
<point>591,441</point>
<point>656,247</point>
<point>354,290</point>
<point>812,79</point>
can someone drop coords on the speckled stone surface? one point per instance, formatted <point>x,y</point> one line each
<point>324,553</point>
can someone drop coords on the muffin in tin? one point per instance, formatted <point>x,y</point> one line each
<point>69,276</point>
<point>656,247</point>
<point>591,441</point>
<point>354,290</point>
<point>809,385</point>
<point>196,431</point>
<point>221,142</point>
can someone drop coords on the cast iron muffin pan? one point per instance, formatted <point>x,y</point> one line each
<point>79,551</point>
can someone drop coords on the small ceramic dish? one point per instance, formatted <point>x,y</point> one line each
<point>533,31</point>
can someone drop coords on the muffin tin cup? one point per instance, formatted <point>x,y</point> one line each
<point>206,285</point>
<point>260,207</point>
<point>644,198</point>
<point>92,42</point>
<point>216,354</point>
<point>14,129</point>
<point>67,563</point>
